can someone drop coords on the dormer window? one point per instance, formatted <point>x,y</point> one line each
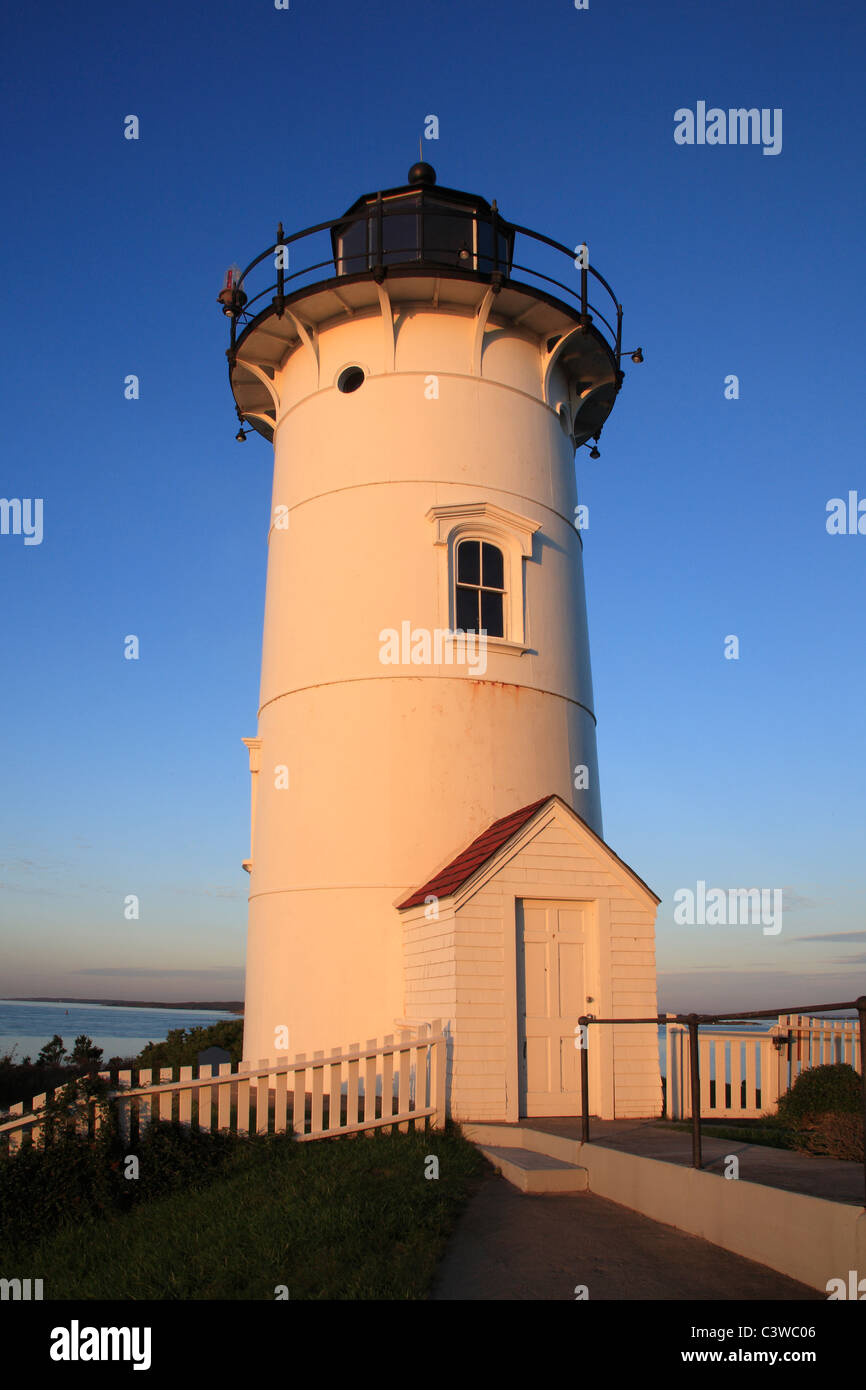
<point>480,588</point>
<point>483,552</point>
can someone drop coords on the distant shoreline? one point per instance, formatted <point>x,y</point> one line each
<point>232,1006</point>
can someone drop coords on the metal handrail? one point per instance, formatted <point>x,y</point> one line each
<point>693,1021</point>
<point>377,259</point>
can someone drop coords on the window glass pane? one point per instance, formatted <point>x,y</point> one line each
<point>493,568</point>
<point>447,233</point>
<point>468,562</point>
<point>485,248</point>
<point>491,613</point>
<point>467,609</point>
<point>353,249</point>
<point>400,231</point>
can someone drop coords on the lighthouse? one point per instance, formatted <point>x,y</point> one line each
<point>427,837</point>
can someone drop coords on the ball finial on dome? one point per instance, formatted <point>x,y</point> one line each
<point>422,174</point>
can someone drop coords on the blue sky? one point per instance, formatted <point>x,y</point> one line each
<point>707,515</point>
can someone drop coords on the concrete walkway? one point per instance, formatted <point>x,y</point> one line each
<point>831,1178</point>
<point>508,1245</point>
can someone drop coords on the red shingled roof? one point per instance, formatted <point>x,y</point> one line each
<point>455,874</point>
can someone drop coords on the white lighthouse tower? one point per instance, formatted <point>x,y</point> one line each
<point>426,818</point>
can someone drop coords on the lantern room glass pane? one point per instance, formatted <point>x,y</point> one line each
<point>448,231</point>
<point>505,243</point>
<point>353,257</point>
<point>400,232</point>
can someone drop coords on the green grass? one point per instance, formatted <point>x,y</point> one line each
<point>351,1218</point>
<point>767,1132</point>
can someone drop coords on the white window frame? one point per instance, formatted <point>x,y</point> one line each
<point>484,521</point>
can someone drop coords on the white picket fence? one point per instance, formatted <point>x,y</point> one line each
<point>744,1074</point>
<point>397,1083</point>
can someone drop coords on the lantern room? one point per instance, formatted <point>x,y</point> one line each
<point>423,224</point>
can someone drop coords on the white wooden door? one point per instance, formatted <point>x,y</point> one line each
<point>551,997</point>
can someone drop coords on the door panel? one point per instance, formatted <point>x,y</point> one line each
<point>570,973</point>
<point>551,996</point>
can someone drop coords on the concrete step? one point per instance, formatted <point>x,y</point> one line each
<point>505,1136</point>
<point>534,1172</point>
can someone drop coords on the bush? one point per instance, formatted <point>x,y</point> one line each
<point>69,1177</point>
<point>182,1045</point>
<point>823,1112</point>
<point>24,1080</point>
<point>833,1089</point>
<point>832,1136</point>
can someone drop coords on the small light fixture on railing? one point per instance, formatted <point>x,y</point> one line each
<point>241,437</point>
<point>594,453</point>
<point>231,296</point>
<point>636,356</point>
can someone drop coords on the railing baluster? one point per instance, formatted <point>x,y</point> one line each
<point>263,1098</point>
<point>224,1098</point>
<point>37,1103</point>
<point>280,1096</point>
<point>15,1134</point>
<point>242,1102</point>
<point>371,1072</point>
<point>166,1098</point>
<point>388,1077</point>
<point>205,1096</point>
<point>419,1099</point>
<point>316,1105</point>
<point>738,1100</point>
<point>124,1107</point>
<point>695,1085</point>
<point>335,1090</point>
<point>403,1086</point>
<point>352,1116</point>
<point>438,1064</point>
<point>184,1112</point>
<point>144,1105</point>
<point>299,1102</point>
<point>705,1104</point>
<point>752,1046</point>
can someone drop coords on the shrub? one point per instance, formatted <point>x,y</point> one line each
<point>69,1177</point>
<point>833,1089</point>
<point>182,1045</point>
<point>42,1189</point>
<point>833,1136</point>
<point>173,1156</point>
<point>24,1080</point>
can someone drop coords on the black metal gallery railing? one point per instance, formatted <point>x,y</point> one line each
<point>693,1022</point>
<point>415,235</point>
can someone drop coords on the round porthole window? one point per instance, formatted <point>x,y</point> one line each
<point>350,379</point>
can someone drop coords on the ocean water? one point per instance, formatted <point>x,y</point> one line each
<point>119,1031</point>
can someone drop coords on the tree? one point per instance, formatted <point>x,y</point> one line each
<point>53,1053</point>
<point>84,1053</point>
